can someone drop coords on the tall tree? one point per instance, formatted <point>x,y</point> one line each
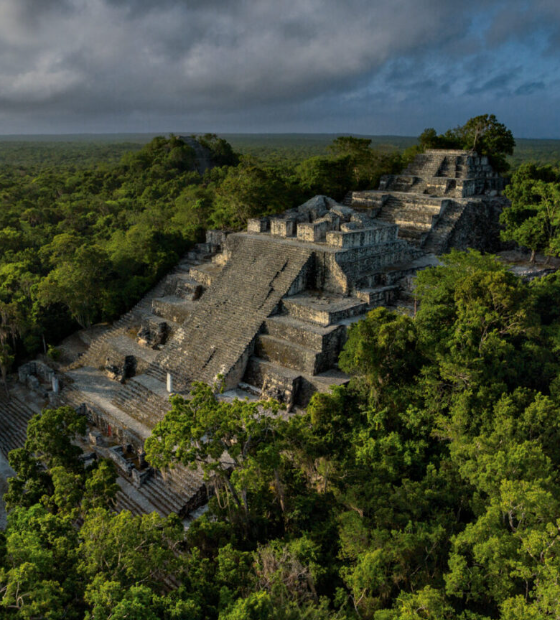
<point>533,219</point>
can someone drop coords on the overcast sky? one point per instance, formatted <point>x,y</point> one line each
<point>362,66</point>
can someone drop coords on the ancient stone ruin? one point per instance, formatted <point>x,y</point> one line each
<point>265,311</point>
<point>443,199</point>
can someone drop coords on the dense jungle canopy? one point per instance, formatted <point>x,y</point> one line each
<point>428,488</point>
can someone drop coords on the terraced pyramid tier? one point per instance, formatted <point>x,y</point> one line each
<point>216,339</point>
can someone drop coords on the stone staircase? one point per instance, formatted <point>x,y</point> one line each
<point>426,164</point>
<point>222,328</point>
<point>415,216</point>
<point>120,327</point>
<point>454,167</point>
<point>124,501</point>
<point>178,491</point>
<point>144,398</point>
<point>437,240</point>
<point>14,417</point>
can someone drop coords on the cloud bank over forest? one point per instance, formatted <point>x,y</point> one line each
<point>369,66</point>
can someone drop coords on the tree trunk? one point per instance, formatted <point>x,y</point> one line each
<point>533,253</point>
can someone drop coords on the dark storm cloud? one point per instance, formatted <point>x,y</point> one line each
<point>499,84</point>
<point>109,61</point>
<point>530,88</point>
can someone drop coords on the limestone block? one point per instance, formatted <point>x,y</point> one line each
<point>173,309</point>
<point>363,237</point>
<point>349,226</point>
<point>362,218</point>
<point>95,438</point>
<point>316,207</point>
<point>221,259</point>
<point>116,454</point>
<point>206,273</point>
<point>345,213</point>
<point>290,354</point>
<point>284,389</point>
<point>333,218</point>
<point>118,370</point>
<point>153,335</point>
<point>216,237</point>
<point>32,382</point>
<point>258,225</point>
<point>25,371</point>
<point>283,227</point>
<point>313,232</point>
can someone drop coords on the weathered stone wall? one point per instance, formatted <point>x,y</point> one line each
<point>478,226</point>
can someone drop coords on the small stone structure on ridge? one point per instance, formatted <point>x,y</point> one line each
<point>267,309</point>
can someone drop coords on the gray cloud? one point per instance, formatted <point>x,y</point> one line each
<point>530,88</point>
<point>134,63</point>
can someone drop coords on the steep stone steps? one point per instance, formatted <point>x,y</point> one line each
<point>401,183</point>
<point>437,241</point>
<point>227,318</point>
<point>131,318</point>
<point>164,500</point>
<point>183,480</point>
<point>347,200</point>
<point>157,372</point>
<point>125,502</point>
<point>426,164</point>
<point>14,417</point>
<point>134,317</point>
<point>144,403</point>
<point>128,498</point>
<point>414,216</point>
<point>179,490</point>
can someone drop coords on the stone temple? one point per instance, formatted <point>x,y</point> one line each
<point>266,311</point>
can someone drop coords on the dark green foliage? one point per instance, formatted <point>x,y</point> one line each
<point>79,245</point>
<point>533,219</point>
<point>428,488</point>
<point>248,190</point>
<point>483,134</point>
